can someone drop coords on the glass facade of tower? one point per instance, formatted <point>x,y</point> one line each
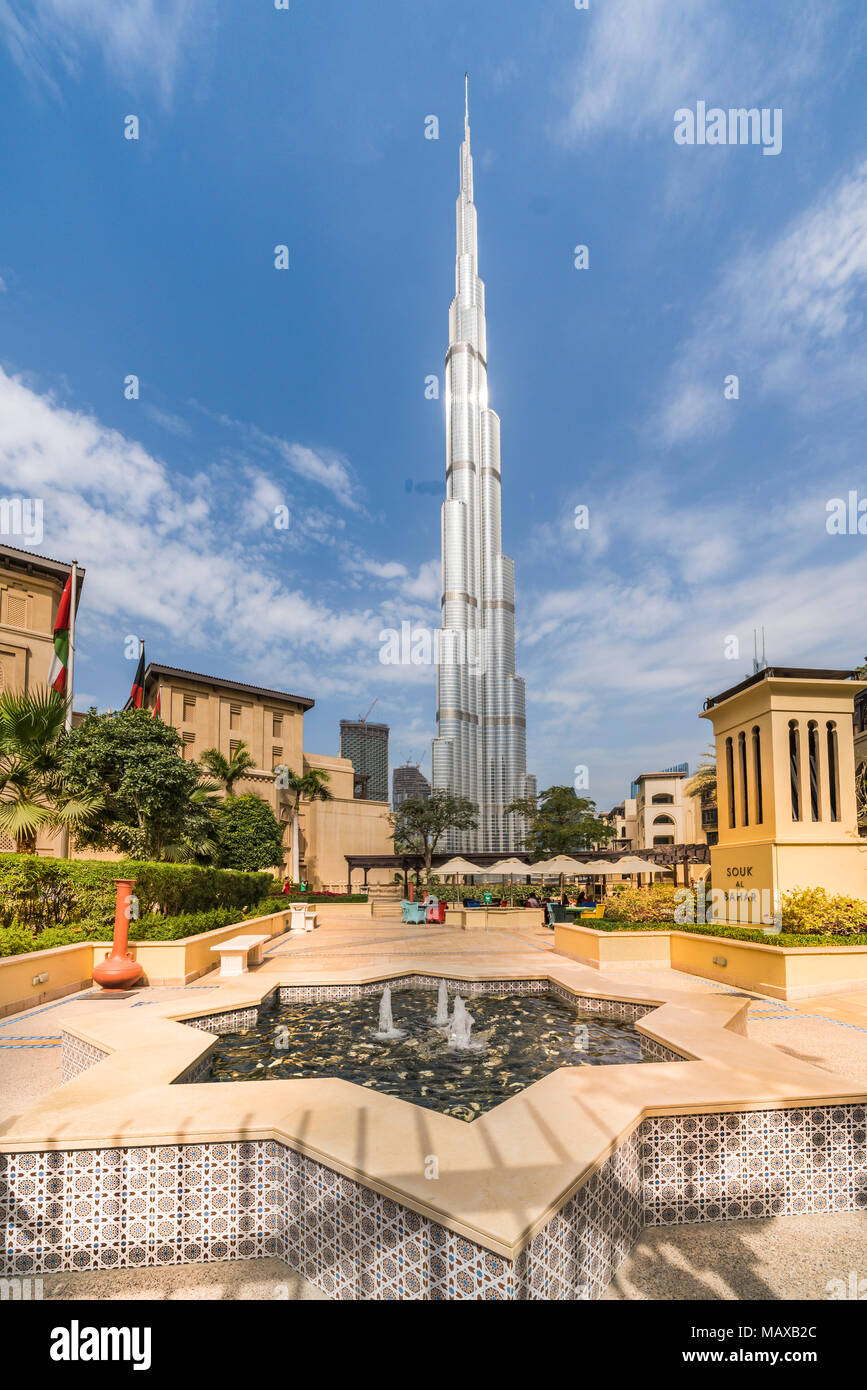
<point>408,783</point>
<point>366,747</point>
<point>480,748</point>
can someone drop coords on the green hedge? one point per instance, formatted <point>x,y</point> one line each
<point>323,898</point>
<point>41,894</point>
<point>785,938</point>
<point>17,939</point>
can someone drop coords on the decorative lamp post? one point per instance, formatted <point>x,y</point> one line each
<point>119,970</point>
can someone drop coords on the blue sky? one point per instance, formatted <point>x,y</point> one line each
<point>305,388</point>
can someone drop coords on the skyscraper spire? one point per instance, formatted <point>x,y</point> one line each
<point>480,748</point>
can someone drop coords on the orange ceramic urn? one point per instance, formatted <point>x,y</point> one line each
<point>119,970</point>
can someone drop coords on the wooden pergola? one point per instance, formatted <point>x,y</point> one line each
<point>667,857</point>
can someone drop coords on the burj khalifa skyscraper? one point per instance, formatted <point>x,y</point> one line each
<point>480,748</point>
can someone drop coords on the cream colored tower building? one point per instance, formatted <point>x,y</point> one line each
<point>786,783</point>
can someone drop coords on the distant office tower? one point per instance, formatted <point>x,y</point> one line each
<point>366,747</point>
<point>408,782</point>
<point>480,748</point>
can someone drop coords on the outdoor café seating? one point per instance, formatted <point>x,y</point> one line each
<point>412,912</point>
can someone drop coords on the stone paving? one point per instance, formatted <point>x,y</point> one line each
<point>718,1260</point>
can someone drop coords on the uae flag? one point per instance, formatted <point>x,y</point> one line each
<point>60,659</point>
<point>136,695</point>
<point>157,705</point>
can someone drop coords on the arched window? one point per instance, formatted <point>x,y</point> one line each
<point>833,770</point>
<point>662,799</point>
<point>664,820</point>
<point>813,760</point>
<point>745,791</point>
<point>757,773</point>
<point>795,768</point>
<point>730,779</point>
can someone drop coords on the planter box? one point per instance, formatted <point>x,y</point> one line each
<point>70,968</point>
<point>784,972</point>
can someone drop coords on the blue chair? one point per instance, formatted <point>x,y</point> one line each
<point>413,912</point>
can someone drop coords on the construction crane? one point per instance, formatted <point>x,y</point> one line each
<point>362,718</point>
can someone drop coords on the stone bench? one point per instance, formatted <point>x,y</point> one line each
<point>241,951</point>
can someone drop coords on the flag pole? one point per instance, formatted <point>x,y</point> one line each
<point>70,668</point>
<point>70,671</point>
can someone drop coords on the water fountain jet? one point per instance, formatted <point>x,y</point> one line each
<point>442,1018</point>
<point>460,1027</point>
<point>387,1031</point>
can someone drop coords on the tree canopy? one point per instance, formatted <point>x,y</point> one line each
<point>420,824</point>
<point>153,802</point>
<point>247,833</point>
<point>560,822</point>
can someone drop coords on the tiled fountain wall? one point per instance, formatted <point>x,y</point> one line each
<point>122,1208</point>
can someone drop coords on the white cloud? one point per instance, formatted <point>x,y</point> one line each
<point>148,38</point>
<point>787,318</point>
<point>155,550</point>
<point>326,468</point>
<point>331,470</point>
<point>174,424</point>
<point>645,58</point>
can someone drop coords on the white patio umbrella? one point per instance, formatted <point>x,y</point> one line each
<point>634,864</point>
<point>511,867</point>
<point>561,864</point>
<point>602,868</point>
<point>459,865</point>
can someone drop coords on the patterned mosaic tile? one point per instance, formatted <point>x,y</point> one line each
<point>176,1204</point>
<point>757,1163</point>
<point>77,1056</point>
<point>654,1050</point>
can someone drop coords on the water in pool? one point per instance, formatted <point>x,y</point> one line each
<point>515,1040</point>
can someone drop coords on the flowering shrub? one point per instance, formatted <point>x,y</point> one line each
<point>812,911</point>
<point>653,904</point>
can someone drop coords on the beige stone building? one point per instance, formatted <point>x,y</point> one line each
<point>210,712</point>
<point>785,751</point>
<point>30,591</point>
<point>660,813</point>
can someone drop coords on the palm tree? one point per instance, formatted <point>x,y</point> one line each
<point>227,771</point>
<point>33,793</point>
<point>311,786</point>
<point>197,843</point>
<point>703,781</point>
